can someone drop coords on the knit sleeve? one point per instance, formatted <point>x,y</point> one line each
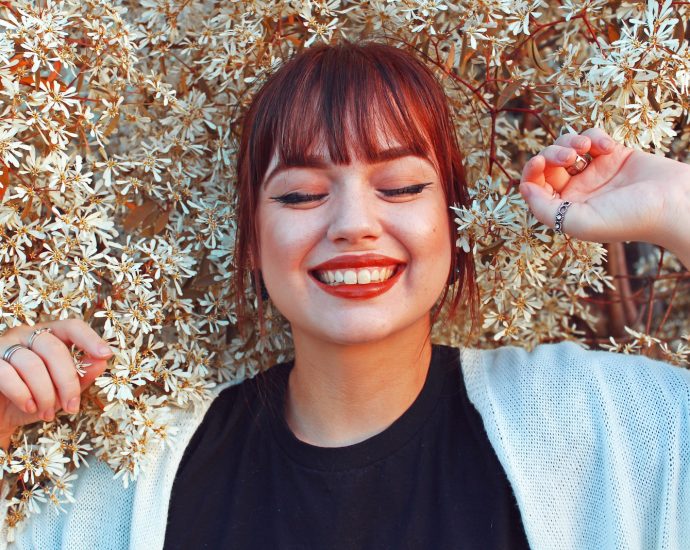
<point>595,444</point>
<point>101,519</point>
<point>105,515</point>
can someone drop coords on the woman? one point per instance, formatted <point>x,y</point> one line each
<point>372,437</point>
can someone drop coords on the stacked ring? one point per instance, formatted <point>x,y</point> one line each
<point>10,351</point>
<point>13,348</point>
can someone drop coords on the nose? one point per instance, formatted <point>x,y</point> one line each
<point>354,215</point>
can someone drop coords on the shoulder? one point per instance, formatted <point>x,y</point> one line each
<point>580,433</point>
<point>567,371</point>
<point>561,400</point>
<point>591,441</point>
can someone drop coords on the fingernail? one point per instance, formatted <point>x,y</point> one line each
<point>73,405</point>
<point>607,144</point>
<point>105,350</point>
<point>31,407</point>
<point>564,155</point>
<point>48,415</point>
<point>581,141</point>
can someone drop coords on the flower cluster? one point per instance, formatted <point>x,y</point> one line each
<point>118,135</point>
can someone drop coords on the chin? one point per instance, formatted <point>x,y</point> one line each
<point>352,339</point>
<point>355,331</point>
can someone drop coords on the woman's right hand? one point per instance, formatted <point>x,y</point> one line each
<point>37,383</point>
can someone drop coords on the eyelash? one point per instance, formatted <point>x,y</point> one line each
<point>297,198</point>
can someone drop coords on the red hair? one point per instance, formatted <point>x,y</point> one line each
<point>341,95</point>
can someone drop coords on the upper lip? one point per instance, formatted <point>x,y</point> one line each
<point>357,260</point>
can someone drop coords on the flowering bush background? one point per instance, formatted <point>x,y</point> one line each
<point>118,132</point>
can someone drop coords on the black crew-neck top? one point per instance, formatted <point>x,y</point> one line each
<point>431,480</point>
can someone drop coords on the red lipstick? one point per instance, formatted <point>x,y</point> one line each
<point>359,291</point>
<point>359,260</point>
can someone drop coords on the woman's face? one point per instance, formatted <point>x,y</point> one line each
<point>381,226</point>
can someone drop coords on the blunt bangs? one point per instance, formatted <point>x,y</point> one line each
<point>345,104</point>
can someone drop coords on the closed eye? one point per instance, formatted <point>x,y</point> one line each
<point>409,190</point>
<point>300,198</point>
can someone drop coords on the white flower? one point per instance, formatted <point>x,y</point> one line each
<point>51,460</point>
<point>323,31</point>
<point>61,491</point>
<point>6,49</point>
<point>55,98</point>
<point>129,371</point>
<point>10,147</point>
<point>31,497</point>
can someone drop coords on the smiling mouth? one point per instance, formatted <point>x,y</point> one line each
<point>355,276</point>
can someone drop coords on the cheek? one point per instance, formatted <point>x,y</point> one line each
<point>285,240</point>
<point>435,246</point>
<point>442,257</point>
<point>431,235</point>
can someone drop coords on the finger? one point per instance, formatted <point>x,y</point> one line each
<point>79,333</point>
<point>581,143</point>
<point>74,332</point>
<point>34,373</point>
<point>538,170</point>
<point>558,155</point>
<point>60,363</point>
<point>534,170</point>
<point>68,332</point>
<point>602,144</point>
<point>14,388</point>
<point>544,207</point>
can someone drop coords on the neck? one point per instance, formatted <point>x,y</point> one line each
<point>339,395</point>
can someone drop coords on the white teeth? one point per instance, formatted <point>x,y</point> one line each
<point>355,277</point>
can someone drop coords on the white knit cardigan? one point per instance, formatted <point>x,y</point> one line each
<point>596,447</point>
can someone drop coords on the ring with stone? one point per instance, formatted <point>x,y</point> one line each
<point>581,162</point>
<point>35,333</point>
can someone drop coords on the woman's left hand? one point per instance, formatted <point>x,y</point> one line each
<point>623,195</point>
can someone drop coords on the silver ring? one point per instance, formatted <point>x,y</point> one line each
<point>10,351</point>
<point>560,216</point>
<point>581,162</point>
<point>35,333</point>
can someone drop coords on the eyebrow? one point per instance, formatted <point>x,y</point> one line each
<point>311,161</point>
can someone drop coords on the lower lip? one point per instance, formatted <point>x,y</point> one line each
<point>361,292</point>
